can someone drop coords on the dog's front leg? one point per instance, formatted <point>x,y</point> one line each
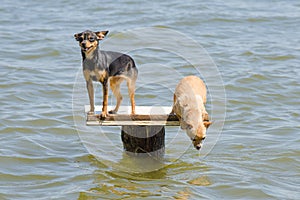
<point>105,99</point>
<point>90,89</point>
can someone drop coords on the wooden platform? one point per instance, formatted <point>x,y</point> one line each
<point>145,115</point>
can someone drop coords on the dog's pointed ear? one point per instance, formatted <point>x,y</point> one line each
<point>77,36</point>
<point>101,34</point>
<point>207,124</point>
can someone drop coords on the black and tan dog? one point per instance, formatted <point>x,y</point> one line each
<point>106,67</point>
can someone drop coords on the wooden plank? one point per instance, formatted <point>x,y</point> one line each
<point>145,115</point>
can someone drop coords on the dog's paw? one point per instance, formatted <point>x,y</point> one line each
<point>112,112</point>
<point>103,115</point>
<point>91,113</point>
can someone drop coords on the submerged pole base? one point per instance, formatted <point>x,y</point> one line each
<point>143,140</point>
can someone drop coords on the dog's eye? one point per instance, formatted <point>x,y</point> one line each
<point>92,39</point>
<point>203,138</point>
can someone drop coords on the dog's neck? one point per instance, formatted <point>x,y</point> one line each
<point>95,60</point>
<point>193,115</point>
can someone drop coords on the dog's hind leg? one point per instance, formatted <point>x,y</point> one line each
<point>115,87</point>
<point>131,91</point>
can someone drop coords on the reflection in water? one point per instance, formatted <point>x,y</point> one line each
<point>183,195</point>
<point>200,181</point>
<point>113,183</point>
<point>139,163</point>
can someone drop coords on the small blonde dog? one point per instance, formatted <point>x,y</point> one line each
<point>189,100</point>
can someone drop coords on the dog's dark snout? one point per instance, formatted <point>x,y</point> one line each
<point>198,147</point>
<point>83,43</point>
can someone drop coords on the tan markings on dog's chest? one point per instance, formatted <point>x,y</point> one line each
<point>98,75</point>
